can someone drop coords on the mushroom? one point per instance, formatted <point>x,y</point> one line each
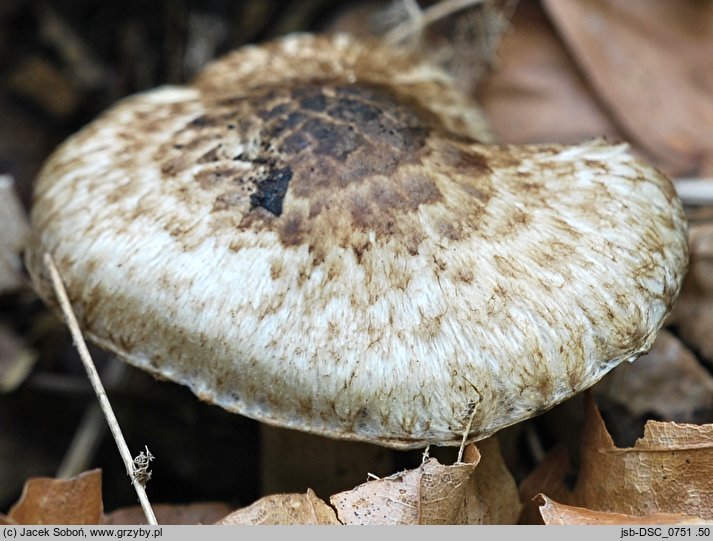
<point>310,235</point>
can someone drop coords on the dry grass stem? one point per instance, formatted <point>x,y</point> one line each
<point>534,444</point>
<point>464,441</point>
<point>98,387</point>
<point>695,191</point>
<point>428,16</point>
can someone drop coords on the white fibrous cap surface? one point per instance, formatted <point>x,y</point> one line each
<point>313,235</point>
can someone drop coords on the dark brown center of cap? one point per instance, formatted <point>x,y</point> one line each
<point>326,135</point>
<point>347,157</point>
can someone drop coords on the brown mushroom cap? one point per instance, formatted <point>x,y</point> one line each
<point>309,235</point>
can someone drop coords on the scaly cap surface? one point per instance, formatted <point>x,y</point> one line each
<point>309,235</point>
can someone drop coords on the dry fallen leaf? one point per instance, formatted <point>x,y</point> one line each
<point>646,387</point>
<point>536,94</point>
<point>549,477</point>
<point>491,495</point>
<point>188,514</point>
<point>649,63</point>
<point>60,501</point>
<point>559,514</point>
<point>429,494</point>
<point>284,509</point>
<point>479,490</point>
<point>666,471</point>
<point>41,82</point>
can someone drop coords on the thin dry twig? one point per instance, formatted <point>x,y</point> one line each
<point>695,191</point>
<point>464,441</point>
<point>428,16</point>
<point>98,387</point>
<point>91,429</point>
<point>534,443</point>
<point>86,68</point>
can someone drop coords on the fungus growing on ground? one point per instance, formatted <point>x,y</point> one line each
<point>310,235</point>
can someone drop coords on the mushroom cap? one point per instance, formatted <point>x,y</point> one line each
<point>311,236</point>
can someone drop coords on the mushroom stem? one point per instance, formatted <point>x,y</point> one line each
<point>292,460</point>
<point>91,429</point>
<point>98,387</point>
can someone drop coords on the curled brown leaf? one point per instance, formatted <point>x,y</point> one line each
<point>60,501</point>
<point>666,471</point>
<point>284,509</point>
<point>559,514</point>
